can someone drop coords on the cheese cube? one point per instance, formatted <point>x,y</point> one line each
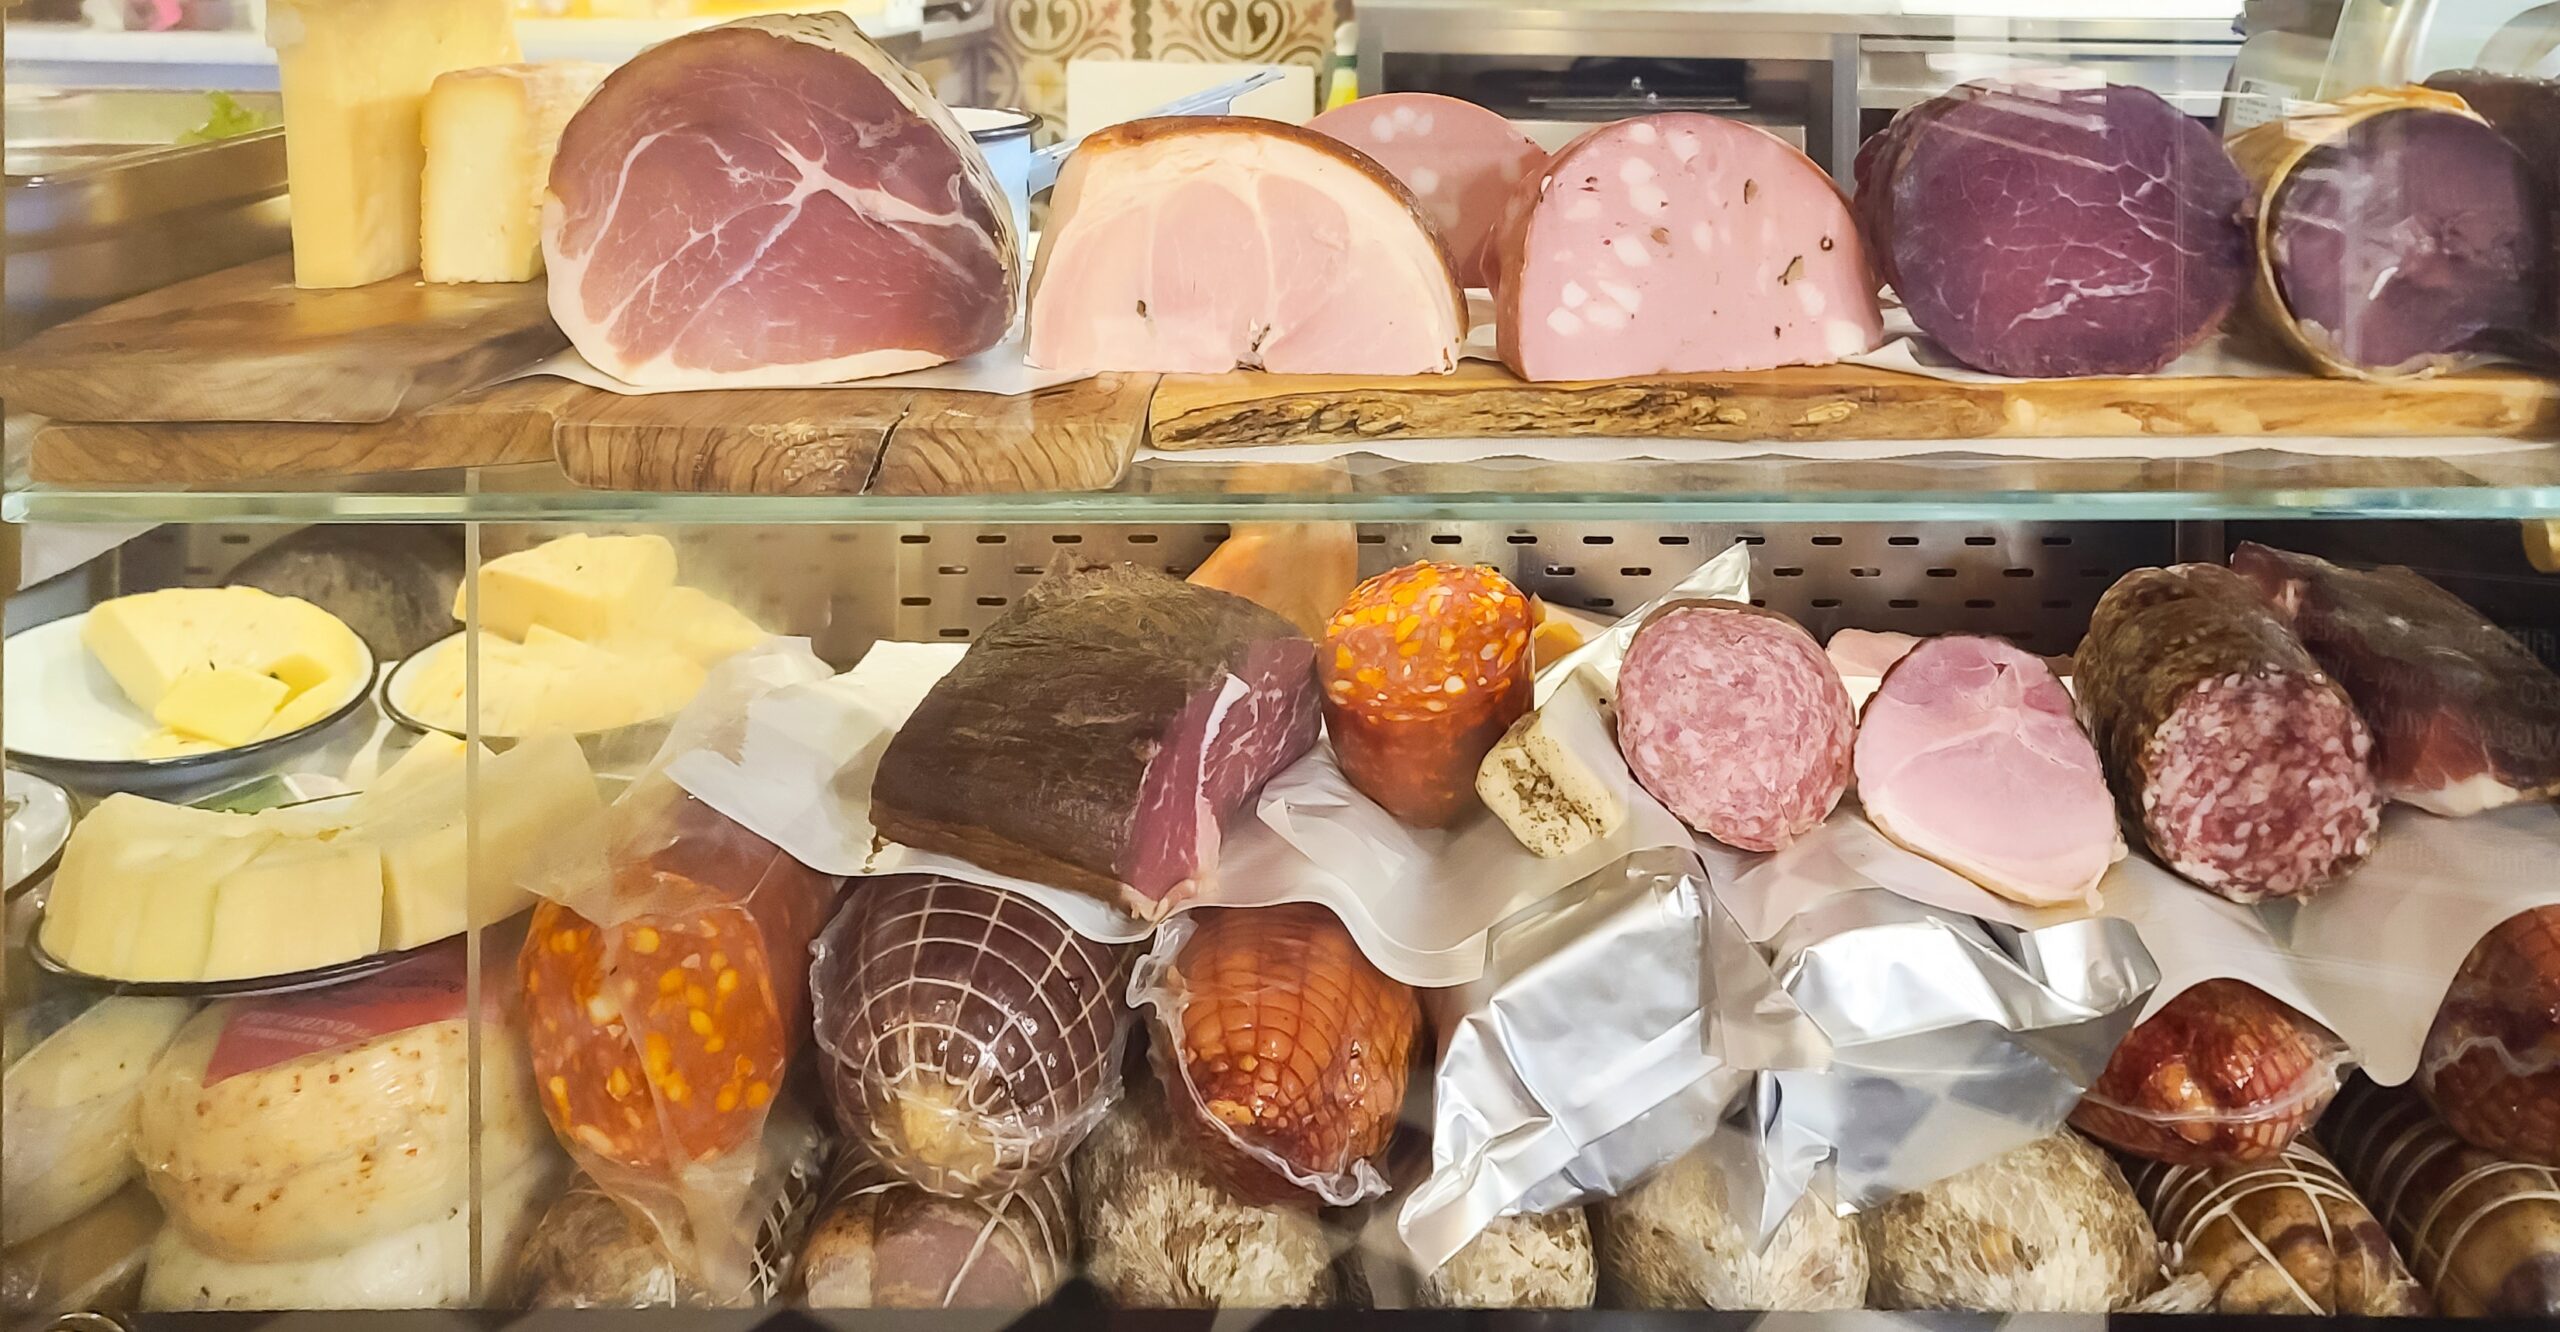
<point>134,896</point>
<point>702,626</point>
<point>355,75</point>
<point>525,798</point>
<point>490,134</point>
<point>223,704</point>
<point>298,905</point>
<point>587,587</point>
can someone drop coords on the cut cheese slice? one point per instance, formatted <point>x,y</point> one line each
<point>224,704</point>
<point>490,134</point>
<point>297,905</point>
<point>525,798</point>
<point>151,641</point>
<point>587,587</point>
<point>1555,778</point>
<point>134,896</point>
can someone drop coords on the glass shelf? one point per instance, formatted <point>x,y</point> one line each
<point>2473,479</point>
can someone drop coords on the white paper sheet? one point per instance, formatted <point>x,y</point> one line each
<point>998,370</point>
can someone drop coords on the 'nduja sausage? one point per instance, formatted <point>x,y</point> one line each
<point>1735,719</point>
<point>2244,763</point>
<point>1423,670</point>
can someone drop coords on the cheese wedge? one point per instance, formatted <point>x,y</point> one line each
<point>490,134</point>
<point>702,626</point>
<point>224,704</point>
<point>134,897</point>
<point>586,587</point>
<point>1550,779</point>
<point>297,905</point>
<point>525,798</point>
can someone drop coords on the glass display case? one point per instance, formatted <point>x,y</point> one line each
<point>1889,663</point>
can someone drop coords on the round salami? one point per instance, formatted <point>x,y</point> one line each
<point>1459,159</point>
<point>1423,669</point>
<point>2243,763</point>
<point>1734,718</point>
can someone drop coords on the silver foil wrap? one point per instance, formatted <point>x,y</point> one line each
<point>1585,1057</point>
<point>1953,1040</point>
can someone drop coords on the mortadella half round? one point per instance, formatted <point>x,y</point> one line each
<point>1459,159</point>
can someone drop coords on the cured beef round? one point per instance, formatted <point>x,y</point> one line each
<point>2397,235</point>
<point>2491,1064</point>
<point>1207,243</point>
<point>1679,242</point>
<point>972,1039</point>
<point>2046,232</point>
<point>2480,1230</point>
<point>2527,111</point>
<point>2286,1236</point>
<point>2243,763</point>
<point>1734,719</point>
<point>1098,733</point>
<point>2223,1074</point>
<point>1423,669</point>
<point>2465,718</point>
<point>773,200</point>
<point>1968,754</point>
<point>1459,159</point>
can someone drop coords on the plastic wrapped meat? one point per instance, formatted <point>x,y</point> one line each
<point>1283,1049</point>
<point>2049,1228</point>
<point>2480,1230</point>
<point>2224,1073</point>
<point>882,1243</point>
<point>2491,1064</point>
<point>2284,1236</point>
<point>971,1038</point>
<point>1423,669</point>
<point>2464,717</point>
<point>1098,733</point>
<point>662,1039</point>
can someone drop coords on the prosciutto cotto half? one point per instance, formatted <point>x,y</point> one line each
<point>1207,243</point>
<point>773,201</point>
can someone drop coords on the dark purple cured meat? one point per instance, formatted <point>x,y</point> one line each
<point>1735,720</point>
<point>1098,733</point>
<point>2414,238</point>
<point>2243,763</point>
<point>2527,112</point>
<point>2045,232</point>
<point>2465,718</point>
<point>972,1039</point>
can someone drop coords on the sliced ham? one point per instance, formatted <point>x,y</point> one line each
<point>1968,754</point>
<point>773,201</point>
<point>1459,159</point>
<point>1207,243</point>
<point>1679,242</point>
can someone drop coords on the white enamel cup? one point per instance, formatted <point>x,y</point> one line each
<point>1005,138</point>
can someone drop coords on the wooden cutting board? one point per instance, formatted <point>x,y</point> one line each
<point>1483,400</point>
<point>245,344</point>
<point>854,441</point>
<point>507,423</point>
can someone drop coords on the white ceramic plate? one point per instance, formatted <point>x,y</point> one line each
<point>400,684</point>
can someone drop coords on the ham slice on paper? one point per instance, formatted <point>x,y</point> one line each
<point>1459,159</point>
<point>1969,754</point>
<point>1679,242</point>
<point>773,201</point>
<point>1202,244</point>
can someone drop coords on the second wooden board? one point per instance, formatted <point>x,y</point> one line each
<point>1482,400</point>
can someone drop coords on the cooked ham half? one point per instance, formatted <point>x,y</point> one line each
<point>773,201</point>
<point>1207,243</point>
<point>1968,754</point>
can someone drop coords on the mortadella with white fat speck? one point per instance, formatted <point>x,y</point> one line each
<point>1459,159</point>
<point>1678,243</point>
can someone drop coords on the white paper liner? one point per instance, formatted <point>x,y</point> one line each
<point>999,369</point>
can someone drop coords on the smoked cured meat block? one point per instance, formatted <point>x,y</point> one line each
<point>2491,1064</point>
<point>2397,234</point>
<point>2223,1074</point>
<point>773,201</point>
<point>1735,719</point>
<point>660,1041</point>
<point>2045,232</point>
<point>2281,1236</point>
<point>1423,669</point>
<point>2481,1231</point>
<point>1097,734</point>
<point>972,1039</point>
<point>2242,761</point>
<point>882,1243</point>
<point>1283,1050</point>
<point>2464,717</point>
<point>1969,754</point>
<point>1459,159</point>
<point>1203,244</point>
<point>1666,244</point>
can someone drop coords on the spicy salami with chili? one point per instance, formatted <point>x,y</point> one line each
<point>1423,669</point>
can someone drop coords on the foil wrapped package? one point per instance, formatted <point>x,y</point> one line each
<point>1585,1057</point>
<point>1953,1040</point>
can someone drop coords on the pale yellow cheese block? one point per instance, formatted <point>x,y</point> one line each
<point>149,642</point>
<point>490,135</point>
<point>587,587</point>
<point>525,798</point>
<point>224,704</point>
<point>702,626</point>
<point>134,897</point>
<point>298,905</point>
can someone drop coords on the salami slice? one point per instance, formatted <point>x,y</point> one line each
<point>1734,718</point>
<point>1459,159</point>
<point>1423,670</point>
<point>2244,764</point>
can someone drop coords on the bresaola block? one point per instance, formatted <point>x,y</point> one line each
<point>1969,754</point>
<point>773,201</point>
<point>2047,232</point>
<point>1204,244</point>
<point>1098,733</point>
<point>1679,243</point>
<point>1459,159</point>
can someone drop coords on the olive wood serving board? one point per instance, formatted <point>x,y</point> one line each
<point>1483,400</point>
<point>505,423</point>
